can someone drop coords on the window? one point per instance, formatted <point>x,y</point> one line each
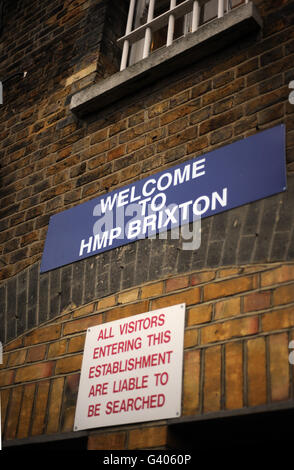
<point>153,24</point>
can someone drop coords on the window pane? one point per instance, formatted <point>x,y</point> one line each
<point>159,38</point>
<point>161,6</point>
<point>136,52</point>
<point>141,12</point>
<point>208,11</point>
<point>179,27</point>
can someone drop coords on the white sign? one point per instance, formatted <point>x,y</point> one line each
<point>132,370</point>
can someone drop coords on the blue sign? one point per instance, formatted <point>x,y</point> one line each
<point>239,173</point>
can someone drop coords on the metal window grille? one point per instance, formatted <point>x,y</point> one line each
<point>147,17</point>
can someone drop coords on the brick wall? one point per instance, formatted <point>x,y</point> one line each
<point>51,161</point>
<point>238,325</point>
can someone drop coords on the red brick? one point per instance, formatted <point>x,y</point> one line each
<point>176,283</point>
<point>34,372</point>
<point>36,353</point>
<point>257,301</point>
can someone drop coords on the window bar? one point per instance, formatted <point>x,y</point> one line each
<point>126,46</point>
<point>195,15</point>
<point>221,8</point>
<point>171,24</point>
<point>147,40</point>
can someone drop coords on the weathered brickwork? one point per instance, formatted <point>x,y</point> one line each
<point>257,232</point>
<point>237,332</point>
<point>238,286</point>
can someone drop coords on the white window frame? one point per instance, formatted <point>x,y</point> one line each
<point>143,33</point>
